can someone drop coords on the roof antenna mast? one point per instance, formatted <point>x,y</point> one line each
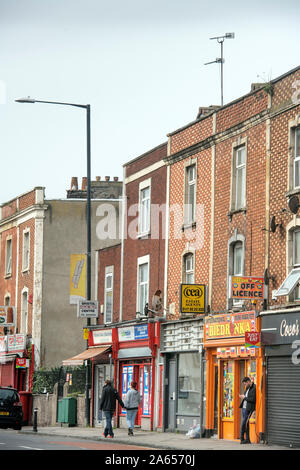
<point>221,60</point>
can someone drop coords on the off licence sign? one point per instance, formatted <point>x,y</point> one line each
<point>192,298</point>
<point>252,339</point>
<point>247,288</point>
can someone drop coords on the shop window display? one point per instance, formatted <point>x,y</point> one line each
<point>228,389</point>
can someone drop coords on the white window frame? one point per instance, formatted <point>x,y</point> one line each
<point>296,157</point>
<point>109,273</point>
<point>144,202</point>
<point>236,239</point>
<point>188,271</point>
<point>290,286</point>
<point>24,313</point>
<point>144,260</point>
<point>190,188</point>
<point>8,257</point>
<point>238,174</point>
<point>26,251</point>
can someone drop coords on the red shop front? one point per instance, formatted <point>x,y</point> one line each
<point>134,353</point>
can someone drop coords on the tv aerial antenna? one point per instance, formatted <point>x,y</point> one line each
<point>221,60</point>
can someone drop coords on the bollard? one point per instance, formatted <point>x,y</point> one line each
<point>35,419</point>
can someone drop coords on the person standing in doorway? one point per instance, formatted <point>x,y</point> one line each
<point>108,406</point>
<point>132,401</point>
<point>248,406</point>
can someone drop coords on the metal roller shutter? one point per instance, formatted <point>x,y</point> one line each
<point>283,401</point>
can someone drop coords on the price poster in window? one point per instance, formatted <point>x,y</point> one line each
<point>124,385</point>
<point>146,394</point>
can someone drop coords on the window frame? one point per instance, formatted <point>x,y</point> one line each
<point>26,256</point>
<point>144,230</point>
<point>144,260</point>
<point>109,273</point>
<point>8,256</point>
<point>239,201</point>
<point>187,272</point>
<point>190,188</point>
<point>296,156</point>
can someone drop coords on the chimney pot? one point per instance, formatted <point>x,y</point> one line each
<point>116,178</point>
<point>98,178</point>
<point>74,183</point>
<point>107,178</point>
<point>84,183</point>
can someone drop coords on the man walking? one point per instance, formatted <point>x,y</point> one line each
<point>248,406</point>
<point>108,406</point>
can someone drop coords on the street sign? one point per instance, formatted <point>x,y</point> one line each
<point>87,309</point>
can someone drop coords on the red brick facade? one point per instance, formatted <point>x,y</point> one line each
<point>260,121</point>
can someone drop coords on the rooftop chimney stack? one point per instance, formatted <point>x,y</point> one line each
<point>84,183</point>
<point>107,178</point>
<point>74,183</point>
<point>98,178</point>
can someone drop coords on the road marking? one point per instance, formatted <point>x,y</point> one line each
<point>31,448</point>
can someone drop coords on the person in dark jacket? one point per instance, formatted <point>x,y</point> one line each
<point>108,406</point>
<point>248,406</point>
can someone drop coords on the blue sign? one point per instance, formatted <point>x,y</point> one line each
<point>141,332</point>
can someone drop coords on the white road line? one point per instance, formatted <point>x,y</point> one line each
<point>31,448</point>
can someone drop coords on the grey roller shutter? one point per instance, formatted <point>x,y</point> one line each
<point>283,401</point>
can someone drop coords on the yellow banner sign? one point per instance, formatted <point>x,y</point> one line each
<point>77,278</point>
<point>192,298</point>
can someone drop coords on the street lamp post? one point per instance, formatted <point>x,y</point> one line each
<point>88,216</point>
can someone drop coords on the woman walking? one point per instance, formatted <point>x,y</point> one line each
<point>131,402</point>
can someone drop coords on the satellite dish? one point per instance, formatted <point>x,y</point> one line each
<point>294,204</point>
<point>157,301</point>
<point>273,224</point>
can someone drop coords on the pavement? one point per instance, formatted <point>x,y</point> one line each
<point>149,439</point>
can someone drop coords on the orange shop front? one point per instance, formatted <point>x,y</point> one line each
<point>228,361</point>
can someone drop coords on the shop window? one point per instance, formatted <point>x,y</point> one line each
<point>189,384</point>
<point>188,269</point>
<point>228,389</point>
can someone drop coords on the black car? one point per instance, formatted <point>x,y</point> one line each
<point>11,410</point>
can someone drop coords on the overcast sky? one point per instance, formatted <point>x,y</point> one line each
<point>138,63</point>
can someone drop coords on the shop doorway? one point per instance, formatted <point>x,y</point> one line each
<point>102,372</point>
<point>216,404</point>
<point>139,372</point>
<point>171,395</point>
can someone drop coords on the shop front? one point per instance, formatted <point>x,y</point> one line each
<point>183,374</point>
<point>14,363</point>
<point>134,352</point>
<point>228,362</point>
<point>281,338</point>
<point>98,360</point>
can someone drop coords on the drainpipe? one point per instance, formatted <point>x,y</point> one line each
<point>201,388</point>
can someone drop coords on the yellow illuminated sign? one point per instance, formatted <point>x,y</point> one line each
<point>192,298</point>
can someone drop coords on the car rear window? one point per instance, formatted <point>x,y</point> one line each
<point>8,395</point>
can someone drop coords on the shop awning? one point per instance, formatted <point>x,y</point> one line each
<point>87,354</point>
